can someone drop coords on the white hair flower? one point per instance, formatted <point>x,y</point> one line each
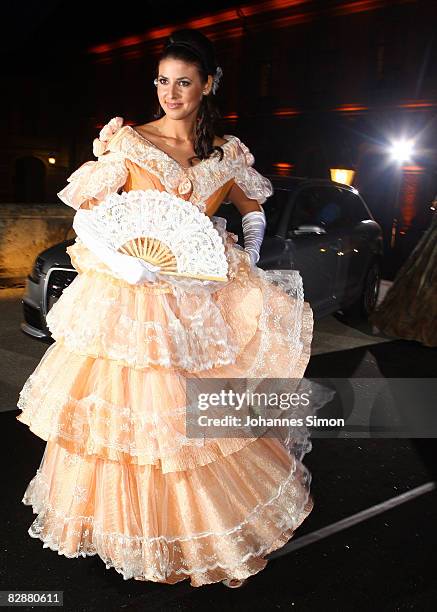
<point>216,79</point>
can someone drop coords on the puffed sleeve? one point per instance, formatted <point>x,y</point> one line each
<point>95,180</point>
<point>255,185</point>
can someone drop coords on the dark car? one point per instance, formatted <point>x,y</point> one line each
<point>52,272</point>
<point>321,228</point>
<point>326,231</point>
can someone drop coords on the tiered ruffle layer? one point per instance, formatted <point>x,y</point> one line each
<point>208,524</point>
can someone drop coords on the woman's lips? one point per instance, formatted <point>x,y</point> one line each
<point>173,105</point>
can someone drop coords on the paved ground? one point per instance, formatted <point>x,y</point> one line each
<point>370,542</point>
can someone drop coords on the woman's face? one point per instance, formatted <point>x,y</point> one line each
<point>180,89</point>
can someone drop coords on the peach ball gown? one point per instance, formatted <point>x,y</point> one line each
<point>119,477</point>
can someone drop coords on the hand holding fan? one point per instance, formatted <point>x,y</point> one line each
<point>163,230</point>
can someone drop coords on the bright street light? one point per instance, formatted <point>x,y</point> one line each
<point>401,150</point>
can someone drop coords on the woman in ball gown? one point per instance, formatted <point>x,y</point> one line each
<point>120,477</point>
<point>409,309</point>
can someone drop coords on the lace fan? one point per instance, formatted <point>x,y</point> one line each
<point>164,230</point>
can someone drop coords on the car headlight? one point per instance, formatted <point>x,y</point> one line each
<point>36,273</point>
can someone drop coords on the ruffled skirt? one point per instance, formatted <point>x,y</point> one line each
<point>120,476</point>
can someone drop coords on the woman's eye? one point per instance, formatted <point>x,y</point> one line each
<point>184,83</point>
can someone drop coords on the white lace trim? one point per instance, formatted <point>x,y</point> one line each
<point>176,344</point>
<point>290,281</point>
<point>255,185</point>
<point>95,179</point>
<point>159,434</point>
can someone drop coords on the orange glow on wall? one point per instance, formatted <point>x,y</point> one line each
<point>272,5</point>
<point>350,108</point>
<point>131,41</point>
<point>149,36</point>
<point>413,169</point>
<point>349,8</point>
<point>286,112</point>
<point>282,168</point>
<point>408,200</point>
<point>134,54</point>
<point>104,48</point>
<point>417,104</point>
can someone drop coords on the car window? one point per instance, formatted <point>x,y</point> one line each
<point>314,206</point>
<point>273,208</point>
<point>354,207</point>
<point>328,206</point>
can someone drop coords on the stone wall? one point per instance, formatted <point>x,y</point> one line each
<point>25,230</point>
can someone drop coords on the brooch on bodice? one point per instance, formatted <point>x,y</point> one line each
<point>185,187</point>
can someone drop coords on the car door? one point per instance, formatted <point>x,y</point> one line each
<point>312,247</point>
<point>351,228</point>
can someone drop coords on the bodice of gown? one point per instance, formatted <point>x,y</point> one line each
<point>140,178</point>
<point>133,162</point>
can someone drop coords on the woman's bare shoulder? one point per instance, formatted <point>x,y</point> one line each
<point>147,129</point>
<point>218,141</point>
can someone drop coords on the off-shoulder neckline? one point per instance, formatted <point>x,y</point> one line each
<point>228,137</point>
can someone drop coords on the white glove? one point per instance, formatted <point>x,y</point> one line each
<point>254,226</point>
<point>134,270</point>
<point>131,269</point>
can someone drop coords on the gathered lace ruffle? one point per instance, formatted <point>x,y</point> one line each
<point>131,516</point>
<point>100,317</point>
<point>187,328</point>
<point>257,324</point>
<point>96,407</point>
<point>95,180</point>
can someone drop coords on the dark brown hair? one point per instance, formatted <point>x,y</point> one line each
<point>193,47</point>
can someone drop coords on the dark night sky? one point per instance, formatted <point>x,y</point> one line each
<point>41,36</point>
